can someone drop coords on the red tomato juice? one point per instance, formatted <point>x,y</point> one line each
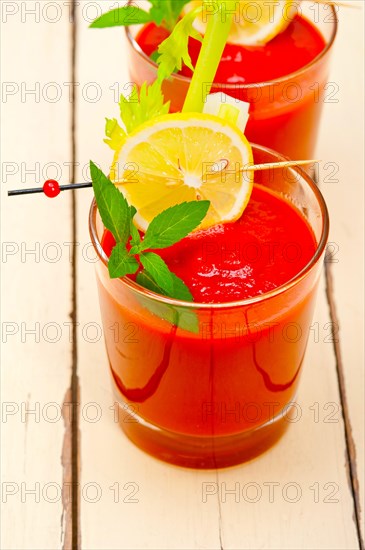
<point>286,53</point>
<point>269,245</point>
<point>241,367</point>
<point>285,104</point>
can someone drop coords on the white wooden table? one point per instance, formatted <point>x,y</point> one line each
<point>70,479</point>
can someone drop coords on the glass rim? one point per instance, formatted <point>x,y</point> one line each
<point>251,85</point>
<point>135,287</point>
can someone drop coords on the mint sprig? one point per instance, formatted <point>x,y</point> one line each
<point>122,17</point>
<point>155,266</point>
<point>172,52</point>
<point>132,253</point>
<point>180,290</point>
<point>162,12</point>
<point>166,12</point>
<point>121,263</point>
<point>135,236</point>
<point>172,225</point>
<point>113,207</point>
<point>184,318</point>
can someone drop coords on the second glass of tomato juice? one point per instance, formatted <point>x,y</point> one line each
<point>211,383</point>
<point>285,81</point>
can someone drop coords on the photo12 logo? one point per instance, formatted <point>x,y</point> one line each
<point>252,492</point>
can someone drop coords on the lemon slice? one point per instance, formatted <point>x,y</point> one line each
<point>254,23</point>
<point>185,157</point>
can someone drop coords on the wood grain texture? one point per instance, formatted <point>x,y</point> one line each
<point>307,492</point>
<point>341,146</point>
<point>301,486</point>
<point>36,276</point>
<point>310,462</point>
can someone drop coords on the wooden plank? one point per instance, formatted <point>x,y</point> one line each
<point>140,502</point>
<point>171,511</point>
<point>342,151</point>
<point>36,285</point>
<point>302,481</point>
<point>108,459</point>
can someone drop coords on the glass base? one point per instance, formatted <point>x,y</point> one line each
<point>201,452</point>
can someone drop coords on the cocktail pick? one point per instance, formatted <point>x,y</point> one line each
<point>51,188</point>
<point>335,3</point>
<point>283,164</point>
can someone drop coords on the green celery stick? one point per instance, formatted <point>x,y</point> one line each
<point>215,38</point>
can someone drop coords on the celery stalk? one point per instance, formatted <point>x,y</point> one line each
<point>215,38</point>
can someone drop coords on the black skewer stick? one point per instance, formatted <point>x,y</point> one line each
<point>70,186</point>
<point>40,189</point>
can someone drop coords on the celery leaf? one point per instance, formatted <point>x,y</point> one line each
<point>174,50</point>
<point>141,106</point>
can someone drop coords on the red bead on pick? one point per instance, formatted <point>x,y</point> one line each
<point>51,188</point>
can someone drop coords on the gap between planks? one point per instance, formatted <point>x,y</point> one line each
<point>350,443</point>
<point>70,520</point>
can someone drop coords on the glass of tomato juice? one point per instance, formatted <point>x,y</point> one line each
<point>209,385</point>
<point>285,81</point>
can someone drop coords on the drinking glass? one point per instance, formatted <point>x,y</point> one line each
<point>284,113</point>
<point>212,385</point>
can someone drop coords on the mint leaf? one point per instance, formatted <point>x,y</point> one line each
<point>121,263</point>
<point>113,207</point>
<point>142,106</point>
<point>188,320</point>
<point>174,50</point>
<point>167,11</point>
<point>115,133</point>
<point>181,291</point>
<point>120,17</point>
<point>182,317</point>
<point>147,281</point>
<point>166,229</point>
<point>156,267</point>
<point>162,11</point>
<point>136,238</point>
<point>173,224</point>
